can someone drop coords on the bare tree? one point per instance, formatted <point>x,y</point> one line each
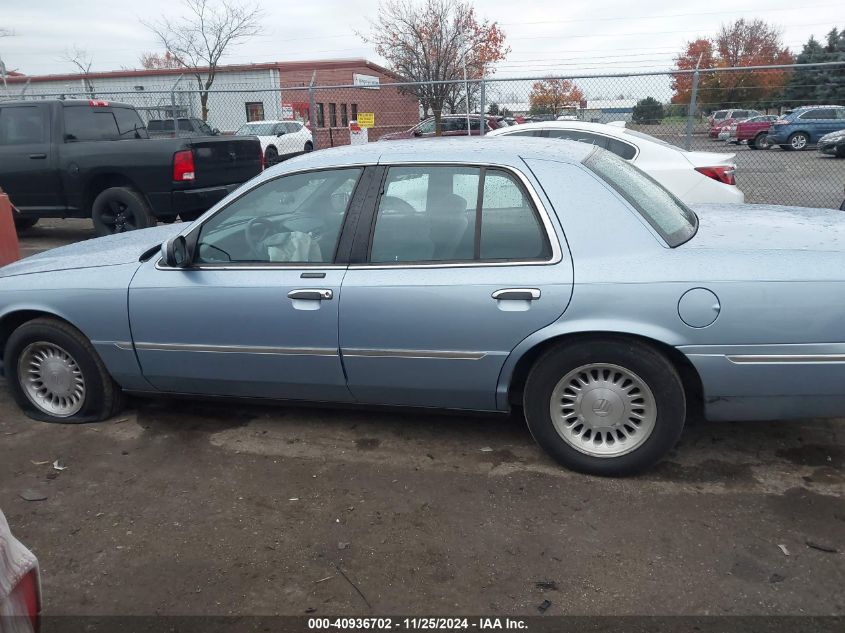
<point>199,39</point>
<point>80,58</point>
<point>427,42</point>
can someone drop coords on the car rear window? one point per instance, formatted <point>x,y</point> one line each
<point>674,221</point>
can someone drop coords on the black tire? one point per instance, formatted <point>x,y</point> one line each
<point>120,209</point>
<point>785,148</point>
<point>840,151</point>
<point>795,138</point>
<point>271,156</point>
<point>649,365</point>
<point>761,141</point>
<point>309,146</point>
<point>102,399</point>
<point>22,222</point>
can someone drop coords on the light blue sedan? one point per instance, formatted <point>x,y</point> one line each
<point>468,274</point>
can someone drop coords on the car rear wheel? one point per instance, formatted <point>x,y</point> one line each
<point>23,223</point>
<point>309,146</point>
<point>120,209</point>
<point>761,141</point>
<point>607,407</point>
<point>55,375</point>
<point>798,141</point>
<point>271,156</point>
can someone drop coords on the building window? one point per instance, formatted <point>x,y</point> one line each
<point>321,115</point>
<point>333,115</point>
<point>344,115</point>
<point>354,111</point>
<point>254,111</point>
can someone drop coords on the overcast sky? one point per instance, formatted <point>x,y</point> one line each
<point>571,37</point>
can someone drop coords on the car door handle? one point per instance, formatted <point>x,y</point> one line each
<point>38,156</point>
<point>314,294</point>
<point>517,294</point>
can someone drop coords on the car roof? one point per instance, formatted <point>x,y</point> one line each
<point>604,128</point>
<point>508,151</point>
<point>816,107</point>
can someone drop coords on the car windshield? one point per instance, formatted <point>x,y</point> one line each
<point>256,129</point>
<point>667,215</point>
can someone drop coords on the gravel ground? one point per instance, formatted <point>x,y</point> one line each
<point>181,507</point>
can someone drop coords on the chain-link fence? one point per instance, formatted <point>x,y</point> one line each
<point>696,111</point>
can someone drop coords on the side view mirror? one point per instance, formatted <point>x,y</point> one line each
<point>174,252</point>
<point>215,131</point>
<point>417,133</point>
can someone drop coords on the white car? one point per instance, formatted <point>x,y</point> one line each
<point>20,585</point>
<point>692,176</point>
<point>279,139</point>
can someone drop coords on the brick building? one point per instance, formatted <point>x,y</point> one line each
<point>247,92</point>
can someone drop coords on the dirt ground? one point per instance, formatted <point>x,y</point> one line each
<point>180,507</point>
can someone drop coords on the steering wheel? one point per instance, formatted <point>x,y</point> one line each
<point>392,205</point>
<point>258,230</point>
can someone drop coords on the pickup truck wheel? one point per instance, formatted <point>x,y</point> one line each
<point>271,156</point>
<point>605,407</point>
<point>22,223</point>
<point>55,375</point>
<point>120,209</point>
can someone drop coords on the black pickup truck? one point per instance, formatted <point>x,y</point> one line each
<point>92,158</point>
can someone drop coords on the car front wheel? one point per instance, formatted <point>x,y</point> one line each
<point>55,375</point>
<point>798,141</point>
<point>610,407</point>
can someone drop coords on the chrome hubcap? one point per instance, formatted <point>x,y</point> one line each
<point>51,379</point>
<point>603,410</point>
<point>799,142</point>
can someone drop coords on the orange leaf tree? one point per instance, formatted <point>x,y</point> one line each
<point>426,42</point>
<point>550,95</point>
<point>740,44</point>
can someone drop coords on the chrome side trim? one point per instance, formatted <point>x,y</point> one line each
<point>236,349</point>
<point>263,266</point>
<point>413,353</point>
<point>124,345</point>
<point>786,358</point>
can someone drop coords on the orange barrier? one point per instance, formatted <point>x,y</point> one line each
<point>9,249</point>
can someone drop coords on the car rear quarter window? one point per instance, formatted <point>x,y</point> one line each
<point>621,148</point>
<point>667,215</point>
<point>525,133</point>
<point>23,125</point>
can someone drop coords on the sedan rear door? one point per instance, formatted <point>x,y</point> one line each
<point>455,265</point>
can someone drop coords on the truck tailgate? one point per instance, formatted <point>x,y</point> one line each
<point>225,160</point>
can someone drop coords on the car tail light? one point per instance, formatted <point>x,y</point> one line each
<point>183,166</point>
<point>722,173</point>
<point>27,597</point>
<point>98,103</point>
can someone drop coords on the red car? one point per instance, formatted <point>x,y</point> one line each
<point>450,125</point>
<point>756,131</point>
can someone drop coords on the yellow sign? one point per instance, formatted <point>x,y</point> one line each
<point>366,119</point>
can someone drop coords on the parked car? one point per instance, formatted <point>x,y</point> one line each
<point>450,125</point>
<point>720,116</point>
<point>833,144</point>
<point>20,584</point>
<point>806,125</point>
<point>719,128</point>
<point>691,176</point>
<point>188,126</point>
<point>755,131</point>
<point>279,139</point>
<point>466,274</point>
<point>81,158</point>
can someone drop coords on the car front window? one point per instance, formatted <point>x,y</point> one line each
<point>673,220</point>
<point>291,219</point>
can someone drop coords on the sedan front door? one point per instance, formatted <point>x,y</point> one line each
<point>458,264</point>
<point>256,314</point>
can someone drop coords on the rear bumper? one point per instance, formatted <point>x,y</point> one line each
<point>194,200</point>
<point>770,382</point>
